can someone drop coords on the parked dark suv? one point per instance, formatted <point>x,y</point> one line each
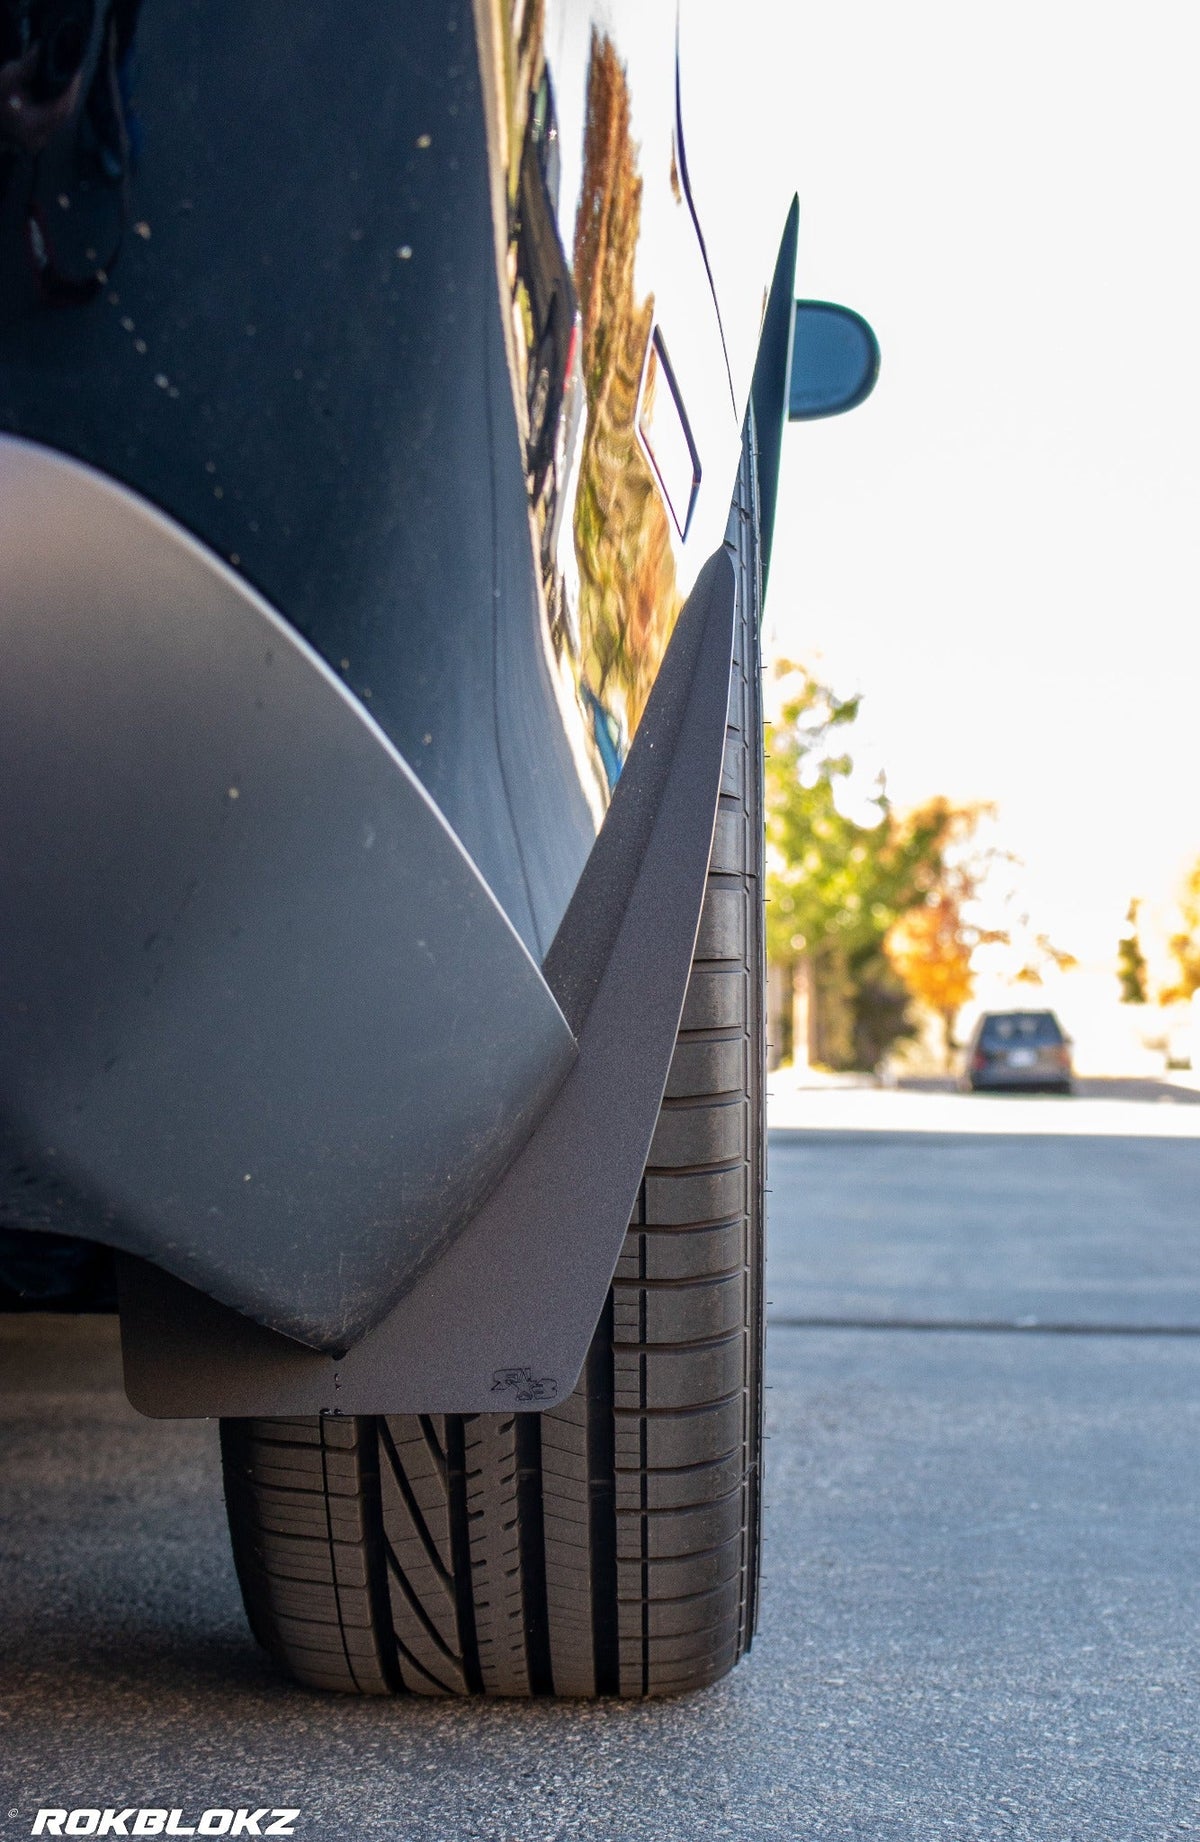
<point>1018,1049</point>
<point>385,505</point>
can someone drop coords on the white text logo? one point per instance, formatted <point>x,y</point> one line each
<point>164,1823</point>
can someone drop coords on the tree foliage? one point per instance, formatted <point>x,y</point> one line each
<point>1039,956</point>
<point>841,891</point>
<point>933,944</point>
<point>818,858</point>
<point>1131,961</point>
<point>1184,944</point>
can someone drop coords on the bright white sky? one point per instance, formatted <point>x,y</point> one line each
<point>1001,550</point>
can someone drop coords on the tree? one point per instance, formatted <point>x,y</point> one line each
<point>1131,961</point>
<point>816,854</point>
<point>1184,945</point>
<point>1039,956</point>
<point>821,924</point>
<point>932,944</point>
<point>837,887</point>
<point>932,954</point>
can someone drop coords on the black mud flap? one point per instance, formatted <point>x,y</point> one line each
<point>504,1316</point>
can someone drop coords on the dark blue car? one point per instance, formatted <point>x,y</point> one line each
<point>386,497</point>
<point>1018,1050</point>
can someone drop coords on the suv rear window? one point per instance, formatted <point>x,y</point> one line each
<point>1020,1028</point>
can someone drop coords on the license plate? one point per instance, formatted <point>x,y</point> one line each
<point>1022,1058</point>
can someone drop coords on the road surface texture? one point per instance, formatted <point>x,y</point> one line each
<point>980,1616</point>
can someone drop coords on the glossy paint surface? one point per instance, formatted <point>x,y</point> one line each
<point>249,265</point>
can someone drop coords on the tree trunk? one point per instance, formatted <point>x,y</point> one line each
<point>831,1008</point>
<point>804,1017</point>
<point>781,976</point>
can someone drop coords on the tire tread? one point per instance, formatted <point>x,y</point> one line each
<point>610,1545</point>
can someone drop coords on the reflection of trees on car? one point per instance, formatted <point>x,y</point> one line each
<point>628,599</point>
<point>584,337</point>
<point>546,293</point>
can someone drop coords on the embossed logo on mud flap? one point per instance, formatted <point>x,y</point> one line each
<point>525,1385</point>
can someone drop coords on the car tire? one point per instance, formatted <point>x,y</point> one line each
<point>609,1546</point>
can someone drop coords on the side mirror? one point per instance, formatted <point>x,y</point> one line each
<point>835,361</point>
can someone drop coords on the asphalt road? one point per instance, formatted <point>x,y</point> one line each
<point>940,1208</point>
<point>980,1606</point>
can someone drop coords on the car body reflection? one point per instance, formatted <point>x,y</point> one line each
<point>592,379</point>
<point>68,138</point>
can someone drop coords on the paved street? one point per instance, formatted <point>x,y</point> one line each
<point>1000,1209</point>
<point>981,1607</point>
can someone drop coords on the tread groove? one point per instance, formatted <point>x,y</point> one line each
<point>443,1688</point>
<point>337,1588</point>
<point>532,1552</point>
<point>602,1511</point>
<point>431,1440</point>
<point>414,1600</point>
<point>460,1547</point>
<point>413,1507</point>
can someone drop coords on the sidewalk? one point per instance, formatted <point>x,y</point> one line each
<point>810,1101</point>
